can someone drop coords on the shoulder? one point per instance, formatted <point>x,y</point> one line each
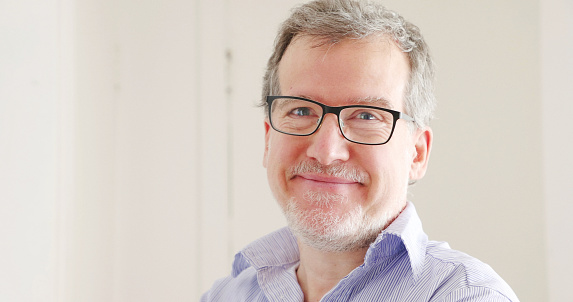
<point>461,277</point>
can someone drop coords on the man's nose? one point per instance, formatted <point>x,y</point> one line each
<point>327,144</point>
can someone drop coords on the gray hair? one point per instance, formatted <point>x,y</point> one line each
<point>335,20</point>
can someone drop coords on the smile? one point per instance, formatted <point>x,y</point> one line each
<point>326,179</point>
<point>333,175</point>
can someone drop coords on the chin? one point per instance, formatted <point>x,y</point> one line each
<point>328,231</point>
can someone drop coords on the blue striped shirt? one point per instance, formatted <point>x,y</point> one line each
<point>401,265</point>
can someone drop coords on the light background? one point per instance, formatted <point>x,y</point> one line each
<point>131,147</point>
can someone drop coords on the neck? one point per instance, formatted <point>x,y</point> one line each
<point>320,271</point>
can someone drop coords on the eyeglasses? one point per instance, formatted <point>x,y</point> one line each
<point>367,125</point>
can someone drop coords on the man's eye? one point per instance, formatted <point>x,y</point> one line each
<point>366,116</point>
<point>301,111</point>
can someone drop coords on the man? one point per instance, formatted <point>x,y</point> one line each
<point>348,99</point>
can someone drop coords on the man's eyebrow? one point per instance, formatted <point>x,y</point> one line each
<point>374,101</point>
<point>367,101</point>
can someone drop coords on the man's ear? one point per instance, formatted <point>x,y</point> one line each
<point>423,139</point>
<point>267,142</point>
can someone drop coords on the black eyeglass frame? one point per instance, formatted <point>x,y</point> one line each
<point>336,111</point>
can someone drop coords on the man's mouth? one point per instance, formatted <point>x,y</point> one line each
<point>326,179</point>
<point>340,174</point>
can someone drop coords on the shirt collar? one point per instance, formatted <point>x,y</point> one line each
<point>404,232</point>
<point>280,247</point>
<point>276,249</point>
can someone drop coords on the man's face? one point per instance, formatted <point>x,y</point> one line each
<point>338,195</point>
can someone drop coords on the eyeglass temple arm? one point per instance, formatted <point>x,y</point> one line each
<point>406,117</point>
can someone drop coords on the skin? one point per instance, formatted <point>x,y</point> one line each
<point>344,74</point>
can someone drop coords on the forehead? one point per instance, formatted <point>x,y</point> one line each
<point>345,72</point>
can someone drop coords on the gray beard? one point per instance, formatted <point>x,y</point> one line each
<point>328,232</point>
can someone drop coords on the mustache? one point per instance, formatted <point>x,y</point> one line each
<point>339,170</point>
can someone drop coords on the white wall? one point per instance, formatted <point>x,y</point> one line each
<point>28,149</point>
<point>131,158</point>
<point>156,214</point>
<point>557,106</point>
